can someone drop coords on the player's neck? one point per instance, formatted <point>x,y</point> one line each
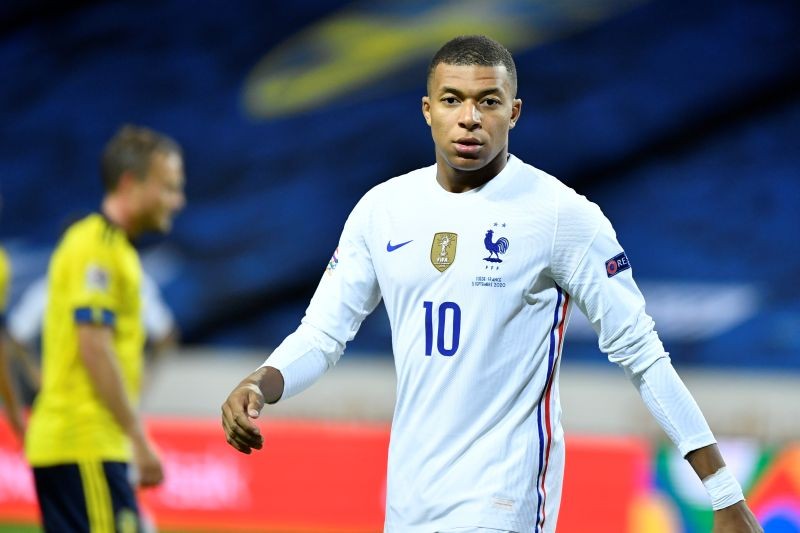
<point>119,214</point>
<point>458,181</point>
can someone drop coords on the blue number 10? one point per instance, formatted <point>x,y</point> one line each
<point>446,306</point>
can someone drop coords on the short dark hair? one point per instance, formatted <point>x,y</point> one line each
<point>131,149</point>
<point>475,50</point>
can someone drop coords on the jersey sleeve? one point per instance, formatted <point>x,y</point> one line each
<point>346,294</point>
<point>93,297</point>
<point>591,265</point>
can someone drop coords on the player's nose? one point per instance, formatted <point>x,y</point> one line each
<point>470,116</point>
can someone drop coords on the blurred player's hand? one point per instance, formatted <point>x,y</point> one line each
<point>245,403</point>
<point>736,519</point>
<point>148,465</point>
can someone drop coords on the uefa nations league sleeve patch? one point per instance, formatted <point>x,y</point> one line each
<point>617,264</point>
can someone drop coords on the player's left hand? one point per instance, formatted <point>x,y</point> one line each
<point>737,518</point>
<point>243,404</point>
<point>148,465</point>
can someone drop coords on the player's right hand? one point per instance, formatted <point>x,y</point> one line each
<point>244,404</point>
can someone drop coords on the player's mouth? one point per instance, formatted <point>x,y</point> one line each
<point>468,145</point>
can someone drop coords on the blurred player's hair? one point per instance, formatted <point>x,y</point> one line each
<point>130,149</point>
<point>478,50</point>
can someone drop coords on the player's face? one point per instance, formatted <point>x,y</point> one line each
<point>470,110</point>
<point>162,192</point>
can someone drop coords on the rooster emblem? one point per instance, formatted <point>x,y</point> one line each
<point>495,248</point>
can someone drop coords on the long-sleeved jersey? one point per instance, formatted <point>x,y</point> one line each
<point>479,287</point>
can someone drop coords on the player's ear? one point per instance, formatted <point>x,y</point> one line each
<point>127,180</point>
<point>516,110</point>
<point>426,109</point>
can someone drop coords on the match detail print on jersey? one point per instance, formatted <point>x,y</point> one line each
<point>443,250</point>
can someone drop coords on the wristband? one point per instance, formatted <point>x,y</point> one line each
<point>723,489</point>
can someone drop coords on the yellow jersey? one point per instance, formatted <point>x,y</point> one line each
<point>5,283</point>
<point>94,277</point>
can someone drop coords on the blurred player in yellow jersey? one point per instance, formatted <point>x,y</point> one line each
<point>7,392</point>
<point>85,439</point>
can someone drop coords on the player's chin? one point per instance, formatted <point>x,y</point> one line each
<point>467,162</point>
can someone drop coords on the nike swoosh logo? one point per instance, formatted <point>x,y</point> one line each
<point>391,248</point>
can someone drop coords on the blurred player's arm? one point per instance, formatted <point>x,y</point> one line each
<point>163,334</point>
<point>25,327</point>
<point>24,355</point>
<point>7,391</point>
<point>11,401</point>
<point>95,342</point>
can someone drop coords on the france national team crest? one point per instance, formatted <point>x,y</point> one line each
<point>617,264</point>
<point>495,246</point>
<point>443,250</point>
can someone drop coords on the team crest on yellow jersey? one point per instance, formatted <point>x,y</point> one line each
<point>127,521</point>
<point>443,250</point>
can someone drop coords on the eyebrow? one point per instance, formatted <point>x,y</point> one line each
<point>457,92</point>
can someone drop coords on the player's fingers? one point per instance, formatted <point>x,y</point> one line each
<point>227,415</point>
<point>239,446</point>
<point>227,424</point>
<point>241,403</point>
<point>238,438</point>
<point>233,413</point>
<point>151,476</point>
<point>158,475</point>
<point>244,435</point>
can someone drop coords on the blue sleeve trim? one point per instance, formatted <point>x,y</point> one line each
<point>95,315</point>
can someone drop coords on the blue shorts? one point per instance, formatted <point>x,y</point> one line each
<point>89,496</point>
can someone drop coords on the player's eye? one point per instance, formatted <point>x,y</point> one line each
<point>491,102</point>
<point>450,100</point>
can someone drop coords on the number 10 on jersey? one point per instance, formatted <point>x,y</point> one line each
<point>447,311</point>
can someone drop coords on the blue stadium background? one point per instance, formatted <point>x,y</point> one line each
<point>681,119</point>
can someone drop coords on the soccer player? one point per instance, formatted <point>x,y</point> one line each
<point>85,439</point>
<point>480,260</point>
<point>7,391</point>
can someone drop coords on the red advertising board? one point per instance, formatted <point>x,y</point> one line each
<point>322,477</point>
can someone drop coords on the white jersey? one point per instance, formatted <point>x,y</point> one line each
<point>479,287</point>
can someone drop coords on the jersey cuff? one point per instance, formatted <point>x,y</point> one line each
<point>95,315</point>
